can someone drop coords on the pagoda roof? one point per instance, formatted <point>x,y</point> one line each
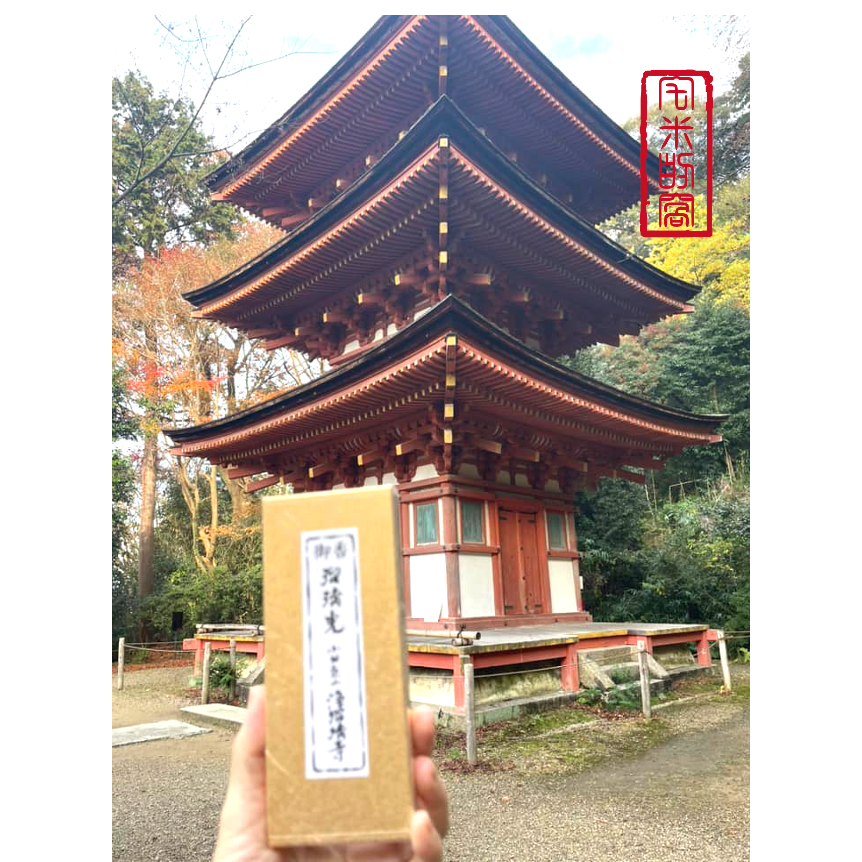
<point>504,215</point>
<point>495,73</point>
<point>407,375</point>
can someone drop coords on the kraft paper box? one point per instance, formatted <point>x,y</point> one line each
<point>338,748</point>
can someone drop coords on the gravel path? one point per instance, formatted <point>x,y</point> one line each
<point>685,798</point>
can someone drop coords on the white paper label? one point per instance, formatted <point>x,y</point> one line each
<point>336,733</point>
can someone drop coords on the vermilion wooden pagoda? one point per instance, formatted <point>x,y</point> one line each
<point>439,187</point>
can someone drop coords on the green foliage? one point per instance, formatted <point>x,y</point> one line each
<point>206,597</point>
<point>221,673</point>
<point>589,697</point>
<point>159,157</point>
<point>690,563</point>
<point>626,699</point>
<point>124,425</point>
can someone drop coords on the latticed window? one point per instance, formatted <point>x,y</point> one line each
<point>426,524</point>
<point>556,531</point>
<point>471,521</point>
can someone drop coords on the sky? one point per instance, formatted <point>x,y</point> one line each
<point>603,52</point>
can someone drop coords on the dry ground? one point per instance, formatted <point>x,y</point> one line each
<point>674,788</point>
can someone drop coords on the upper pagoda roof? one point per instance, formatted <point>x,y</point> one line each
<point>492,71</point>
<point>495,211</point>
<point>411,370</point>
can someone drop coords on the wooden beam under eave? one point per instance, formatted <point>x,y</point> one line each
<point>262,483</point>
<point>284,341</point>
<point>418,443</point>
<point>242,472</point>
<point>363,459</point>
<point>525,454</point>
<point>268,332</point>
<point>369,298</point>
<point>487,445</point>
<point>322,469</point>
<point>296,218</point>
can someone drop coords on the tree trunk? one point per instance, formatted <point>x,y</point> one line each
<point>146,535</point>
<point>240,502</point>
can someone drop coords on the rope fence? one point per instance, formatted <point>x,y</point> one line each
<point>468,675</point>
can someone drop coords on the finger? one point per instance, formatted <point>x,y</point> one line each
<point>431,792</point>
<point>422,730</point>
<point>427,844</point>
<point>247,760</point>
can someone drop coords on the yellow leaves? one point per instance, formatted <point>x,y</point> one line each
<point>719,263</point>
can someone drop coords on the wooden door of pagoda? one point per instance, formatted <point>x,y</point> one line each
<point>519,562</point>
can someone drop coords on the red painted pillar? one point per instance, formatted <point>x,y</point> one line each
<point>259,651</point>
<point>569,672</point>
<point>458,683</point>
<point>703,658</point>
<point>199,657</point>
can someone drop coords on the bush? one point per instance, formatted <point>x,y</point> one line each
<point>690,563</point>
<point>205,597</point>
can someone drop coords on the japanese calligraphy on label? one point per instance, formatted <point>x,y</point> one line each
<point>336,733</point>
<point>684,125</point>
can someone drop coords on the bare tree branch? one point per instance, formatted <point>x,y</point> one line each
<point>167,157</point>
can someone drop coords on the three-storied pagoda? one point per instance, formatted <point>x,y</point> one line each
<point>438,187</point>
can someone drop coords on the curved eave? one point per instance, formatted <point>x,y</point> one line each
<point>334,80</point>
<point>507,33</point>
<point>449,316</point>
<point>443,118</point>
<point>228,179</point>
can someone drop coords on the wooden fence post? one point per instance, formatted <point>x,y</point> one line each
<point>121,661</point>
<point>205,682</point>
<point>643,667</point>
<point>725,667</point>
<point>232,693</point>
<point>469,710</point>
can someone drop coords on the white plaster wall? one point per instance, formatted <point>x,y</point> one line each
<point>553,485</point>
<point>477,585</point>
<point>469,471</point>
<point>503,477</point>
<point>391,329</point>
<point>422,312</point>
<point>389,479</point>
<point>562,577</point>
<point>425,471</point>
<point>338,487</point>
<point>428,598</point>
<point>521,481</point>
<point>351,345</point>
<point>369,480</point>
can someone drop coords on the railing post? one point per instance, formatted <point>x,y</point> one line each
<point>469,710</point>
<point>643,667</point>
<point>121,661</point>
<point>725,667</point>
<point>205,682</point>
<point>232,693</point>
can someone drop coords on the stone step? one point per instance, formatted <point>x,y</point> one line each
<point>609,655</point>
<point>219,714</point>
<point>171,729</point>
<point>627,671</point>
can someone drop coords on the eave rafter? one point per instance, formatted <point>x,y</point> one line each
<point>570,245</point>
<point>356,221</point>
<point>449,404</point>
<point>329,108</point>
